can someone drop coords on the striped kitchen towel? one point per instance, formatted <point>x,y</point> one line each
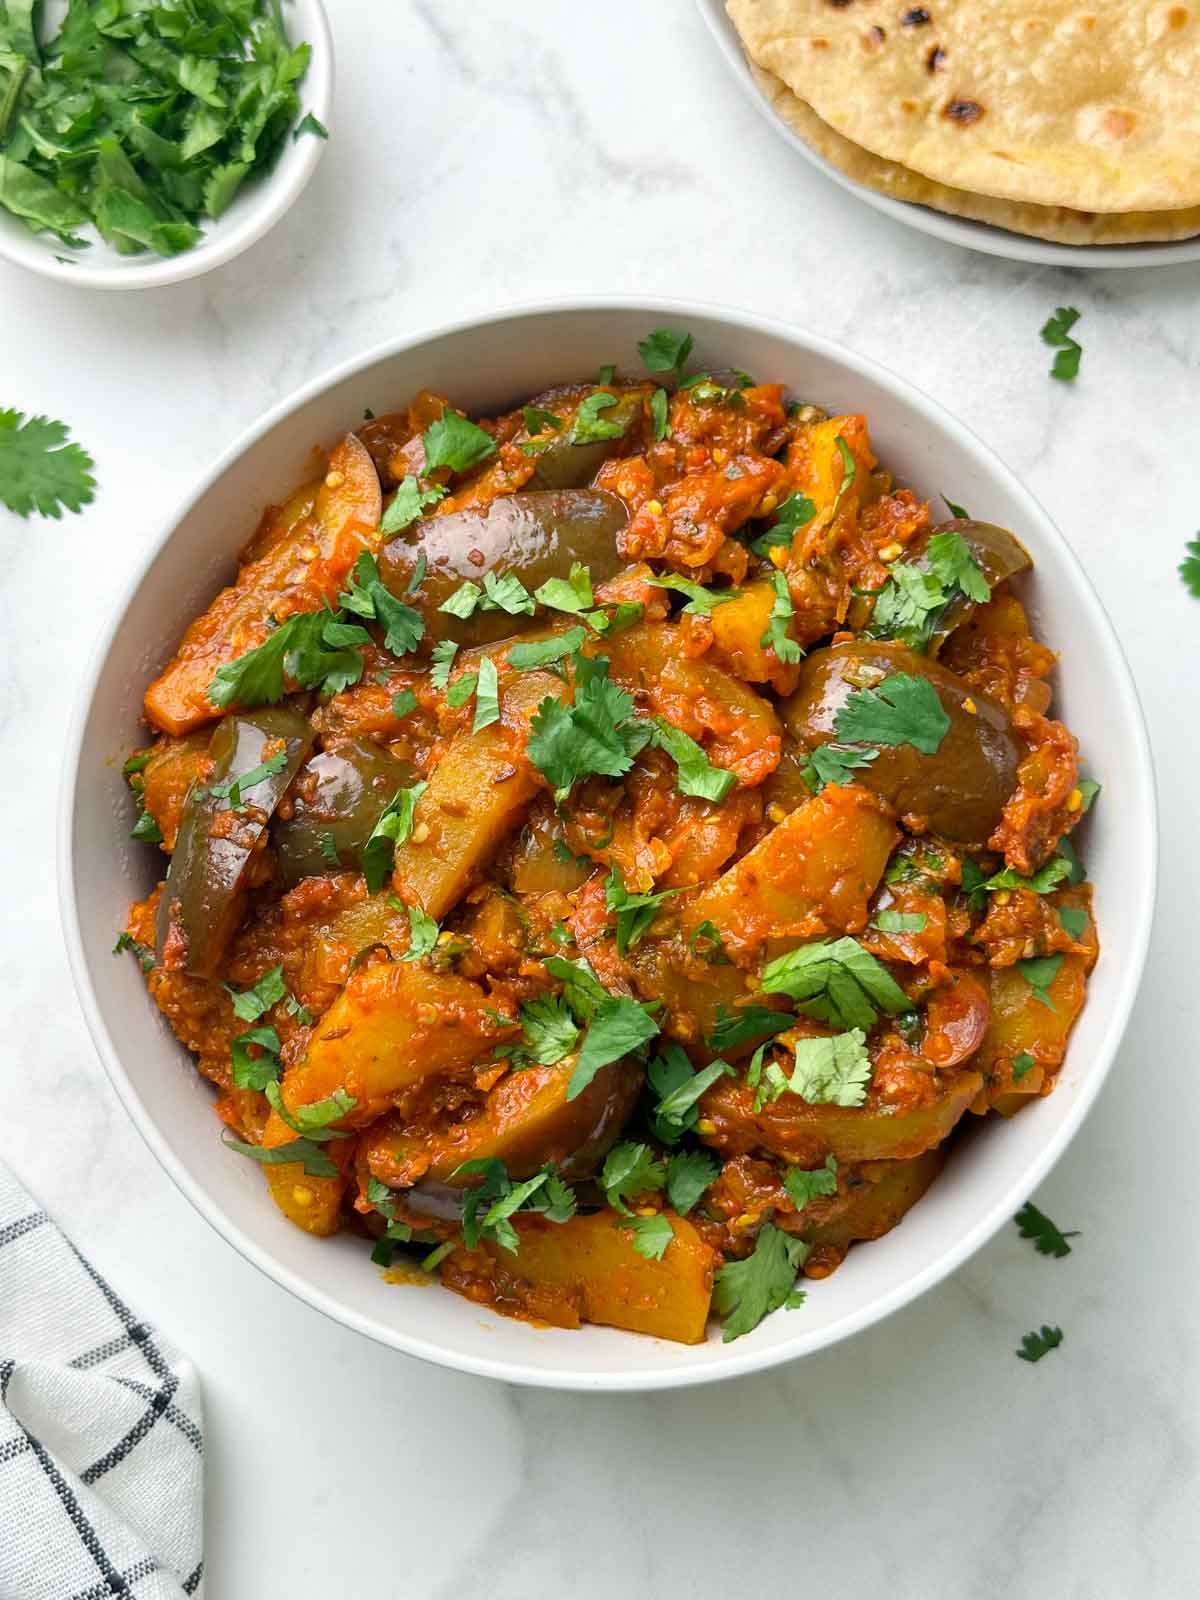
<point>101,1430</point>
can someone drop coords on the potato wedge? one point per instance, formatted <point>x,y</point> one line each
<point>313,1204</point>
<point>586,1270</point>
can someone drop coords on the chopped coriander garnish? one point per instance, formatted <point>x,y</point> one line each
<point>126,941</point>
<point>834,1071</point>
<point>777,637</point>
<point>744,1292</point>
<point>538,421</point>
<point>550,1029</point>
<point>316,1162</point>
<point>461,690</point>
<point>1089,791</point>
<point>635,913</point>
<point>1022,1063</point>
<point>706,941</point>
<point>831,763</point>
<point>313,1121</point>
<point>310,124</point>
<point>740,1025</point>
<point>659,405</point>
<point>840,983</point>
<point>312,648</point>
<point>900,921</point>
<point>422,935</point>
<point>700,599</point>
<point>455,442</point>
<point>250,1004</point>
<point>589,425</point>
<point>1039,973</point>
<point>796,512</point>
<point>393,828</point>
<point>677,1106</point>
<point>689,1173</point>
<point>665,350</point>
<point>1189,567</point>
<point>443,656</point>
<point>403,703</point>
<point>804,1187</point>
<point>903,709</point>
<point>1035,1345</point>
<point>1047,878</point>
<point>146,830</point>
<point>237,788</point>
<point>255,1071</point>
<point>39,470</point>
<point>1056,331</point>
<point>596,733</point>
<point>487,696</point>
<point>849,467</point>
<point>651,1235</point>
<point>572,594</point>
<point>1048,1238</point>
<point>696,775</point>
<point>956,510</point>
<point>546,652</point>
<point>630,1170</point>
<point>1074,920</point>
<point>619,1028</point>
<point>408,502</point>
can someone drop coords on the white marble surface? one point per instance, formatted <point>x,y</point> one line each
<point>485,154</point>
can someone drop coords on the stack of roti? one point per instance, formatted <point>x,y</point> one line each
<point>1073,120</point>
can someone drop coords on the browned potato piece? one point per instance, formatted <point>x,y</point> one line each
<point>313,1204</point>
<point>1021,1025</point>
<point>739,627</point>
<point>393,1025</point>
<point>477,794</point>
<point>594,1274</point>
<point>811,875</point>
<point>805,1134</point>
<point>173,767</point>
<point>959,792</point>
<point>527,1121</point>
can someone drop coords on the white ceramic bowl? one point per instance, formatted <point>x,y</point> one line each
<point>965,231</point>
<point>484,367</point>
<point>257,207</point>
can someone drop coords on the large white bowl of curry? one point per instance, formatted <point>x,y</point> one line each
<point>486,366</point>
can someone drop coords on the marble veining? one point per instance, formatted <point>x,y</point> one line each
<point>484,155</point>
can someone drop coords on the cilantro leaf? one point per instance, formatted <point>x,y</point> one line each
<point>956,510</point>
<point>126,941</point>
<point>636,913</point>
<point>777,637</point>
<point>582,990</point>
<point>550,1029</point>
<point>453,441</point>
<point>545,652</point>
<point>618,1028</point>
<point>804,1187</point>
<point>313,1120</point>
<point>1022,1063</point>
<point>665,350</point>
<point>407,504</point>
<point>1056,331</point>
<point>740,1025</point>
<point>255,1071</point>
<point>1039,973</point>
<point>589,426</point>
<point>487,696</point>
<point>900,921</point>
<point>679,1105</point>
<point>689,1173</point>
<point>507,593</point>
<point>597,733</point>
<point>250,1004</point>
<point>310,124</point>
<point>461,690</point>
<point>831,763</point>
<point>463,601</point>
<point>792,514</point>
<point>444,653</point>
<point>39,470</point>
<point>537,421</point>
<point>1089,793</point>
<point>1189,567</point>
<point>403,704</point>
<point>695,773</point>
<point>659,413</point>
<point>950,559</point>
<point>317,1163</point>
<point>834,1071</point>
<point>1048,1238</point>
<point>651,1235</point>
<point>1035,1345</point>
<point>312,648</point>
<point>701,601</point>
<point>840,983</point>
<point>404,627</point>
<point>393,828</point>
<point>422,934</point>
<point>744,1292</point>
<point>572,594</point>
<point>903,709</point>
<point>630,1170</point>
<point>1074,920</point>
<point>708,935</point>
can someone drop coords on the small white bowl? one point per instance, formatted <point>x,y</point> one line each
<point>965,231</point>
<point>257,207</point>
<point>485,366</point>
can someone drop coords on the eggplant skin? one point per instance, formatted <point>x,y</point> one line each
<point>201,900</point>
<point>961,791</point>
<point>534,536</point>
<point>352,786</point>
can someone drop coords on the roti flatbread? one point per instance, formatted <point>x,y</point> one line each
<point>1058,223</point>
<point>1047,102</point>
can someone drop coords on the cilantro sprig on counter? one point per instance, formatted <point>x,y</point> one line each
<point>40,469</point>
<point>1189,567</point>
<point>1056,332</point>
<point>1035,1345</point>
<point>1048,1238</point>
<point>143,119</point>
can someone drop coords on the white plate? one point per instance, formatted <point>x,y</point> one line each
<point>954,230</point>
<point>258,205</point>
<point>485,366</point>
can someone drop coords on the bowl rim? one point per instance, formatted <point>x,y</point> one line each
<point>271,199</point>
<point>988,238</point>
<point>732,1363</point>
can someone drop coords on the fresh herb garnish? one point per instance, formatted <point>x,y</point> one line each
<point>314,649</point>
<point>537,421</point>
<point>744,1292</point>
<point>706,941</point>
<point>572,594</point>
<point>255,1071</point>
<point>455,442</point>
<point>408,502</point>
<point>635,913</point>
<point>689,1173</point>
<point>834,1071</point>
<point>1048,1238</point>
<point>1056,331</point>
<point>840,983</point>
<point>590,426</point>
<point>651,1235</point>
<point>804,1187</point>
<point>700,600</point>
<point>1189,567</point>
<point>39,470</point>
<point>317,1164</point>
<point>678,1106</point>
<point>903,709</point>
<point>659,413</point>
<point>250,1004</point>
<point>1035,1345</point>
<point>310,124</point>
<point>832,763</point>
<point>777,637</point>
<point>597,733</point>
<point>487,696</point>
<point>126,941</point>
<point>1074,920</point>
<point>665,350</point>
<point>1022,1063</point>
<point>916,595</point>
<point>900,921</point>
<point>550,1029</point>
<point>546,652</point>
<point>403,704</point>
<point>393,828</point>
<point>792,514</point>
<point>422,934</point>
<point>956,510</point>
<point>1039,973</point>
<point>237,788</point>
<point>739,1025</point>
<point>695,773</point>
<point>498,594</point>
<point>619,1027</point>
<point>443,656</point>
<point>977,887</point>
<point>544,1193</point>
<point>630,1170</point>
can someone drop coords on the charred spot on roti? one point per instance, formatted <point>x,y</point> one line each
<point>1120,124</point>
<point>962,112</point>
<point>934,58</point>
<point>918,17</point>
<point>1179,17</point>
<point>873,37</point>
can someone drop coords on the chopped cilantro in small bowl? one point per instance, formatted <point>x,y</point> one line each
<point>142,142</point>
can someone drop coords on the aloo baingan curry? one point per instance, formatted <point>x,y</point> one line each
<point>611,845</point>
